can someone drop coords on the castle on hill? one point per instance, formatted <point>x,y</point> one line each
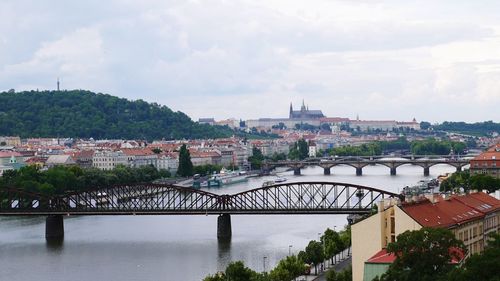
<point>305,113</point>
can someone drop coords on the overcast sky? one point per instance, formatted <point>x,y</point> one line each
<point>248,59</point>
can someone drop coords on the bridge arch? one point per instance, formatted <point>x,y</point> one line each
<point>308,198</point>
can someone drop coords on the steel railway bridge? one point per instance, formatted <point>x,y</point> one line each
<point>162,199</point>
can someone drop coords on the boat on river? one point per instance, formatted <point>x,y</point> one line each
<point>224,178</point>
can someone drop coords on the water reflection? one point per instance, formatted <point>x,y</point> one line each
<point>223,253</point>
<point>54,245</point>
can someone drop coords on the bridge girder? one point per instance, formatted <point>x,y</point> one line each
<point>154,199</point>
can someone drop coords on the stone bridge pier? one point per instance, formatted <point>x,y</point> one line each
<point>392,166</point>
<point>359,167</point>
<point>224,227</point>
<point>54,227</point>
<point>326,169</point>
<point>296,168</point>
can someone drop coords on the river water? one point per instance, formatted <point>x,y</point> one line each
<point>177,247</point>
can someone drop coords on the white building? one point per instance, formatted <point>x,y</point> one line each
<point>108,160</point>
<point>168,162</point>
<point>140,157</point>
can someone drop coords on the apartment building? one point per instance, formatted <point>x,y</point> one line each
<point>108,160</point>
<point>470,217</point>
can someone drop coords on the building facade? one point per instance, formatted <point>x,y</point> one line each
<point>470,217</point>
<point>108,160</point>
<point>487,163</point>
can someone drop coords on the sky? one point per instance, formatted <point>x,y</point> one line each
<point>381,60</point>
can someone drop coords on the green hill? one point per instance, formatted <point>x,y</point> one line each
<point>86,114</point>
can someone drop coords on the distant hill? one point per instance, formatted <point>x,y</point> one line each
<point>478,129</point>
<point>86,114</point>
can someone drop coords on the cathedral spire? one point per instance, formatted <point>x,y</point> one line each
<point>303,107</point>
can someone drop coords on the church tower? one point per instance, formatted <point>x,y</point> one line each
<point>291,111</point>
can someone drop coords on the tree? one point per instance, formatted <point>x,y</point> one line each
<point>333,243</point>
<point>299,151</point>
<point>423,255</point>
<point>156,150</point>
<point>85,114</point>
<point>185,165</point>
<point>287,269</point>
<point>425,125</point>
<point>464,181</point>
<point>314,253</point>
<point>344,275</point>
<point>303,149</point>
<point>483,266</point>
<point>256,158</point>
<point>485,182</point>
<point>236,271</point>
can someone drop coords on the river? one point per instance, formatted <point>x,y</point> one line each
<point>155,248</point>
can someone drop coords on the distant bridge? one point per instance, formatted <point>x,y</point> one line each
<point>161,199</point>
<point>359,162</point>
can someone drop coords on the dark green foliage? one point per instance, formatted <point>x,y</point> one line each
<point>185,165</point>
<point>208,169</point>
<point>237,271</point>
<point>434,147</point>
<point>287,269</point>
<point>333,243</point>
<point>463,180</point>
<point>362,150</point>
<point>256,158</point>
<point>306,127</point>
<point>300,150</point>
<point>344,275</point>
<point>400,144</point>
<point>481,128</point>
<point>422,255</point>
<point>156,150</point>
<point>485,266</point>
<point>425,125</point>
<point>60,179</point>
<point>86,114</point>
<point>313,253</point>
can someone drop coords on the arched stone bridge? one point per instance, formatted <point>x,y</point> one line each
<point>158,199</point>
<point>360,162</point>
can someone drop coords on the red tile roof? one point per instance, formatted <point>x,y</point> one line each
<point>382,257</point>
<point>480,201</point>
<point>5,154</point>
<point>488,155</point>
<point>444,213</point>
<point>137,152</point>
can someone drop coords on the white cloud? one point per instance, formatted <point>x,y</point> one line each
<point>248,59</point>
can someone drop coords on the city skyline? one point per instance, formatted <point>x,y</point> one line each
<point>240,59</point>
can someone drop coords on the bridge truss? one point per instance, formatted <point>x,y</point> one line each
<point>160,199</point>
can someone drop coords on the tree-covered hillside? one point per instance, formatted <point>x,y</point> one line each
<point>480,129</point>
<point>86,114</point>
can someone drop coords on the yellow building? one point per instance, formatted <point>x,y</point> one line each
<point>470,217</point>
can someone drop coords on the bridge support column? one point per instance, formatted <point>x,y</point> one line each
<point>224,227</point>
<point>459,169</point>
<point>296,171</point>
<point>326,171</point>
<point>426,171</point>
<point>359,171</point>
<point>393,171</point>
<point>54,227</point>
